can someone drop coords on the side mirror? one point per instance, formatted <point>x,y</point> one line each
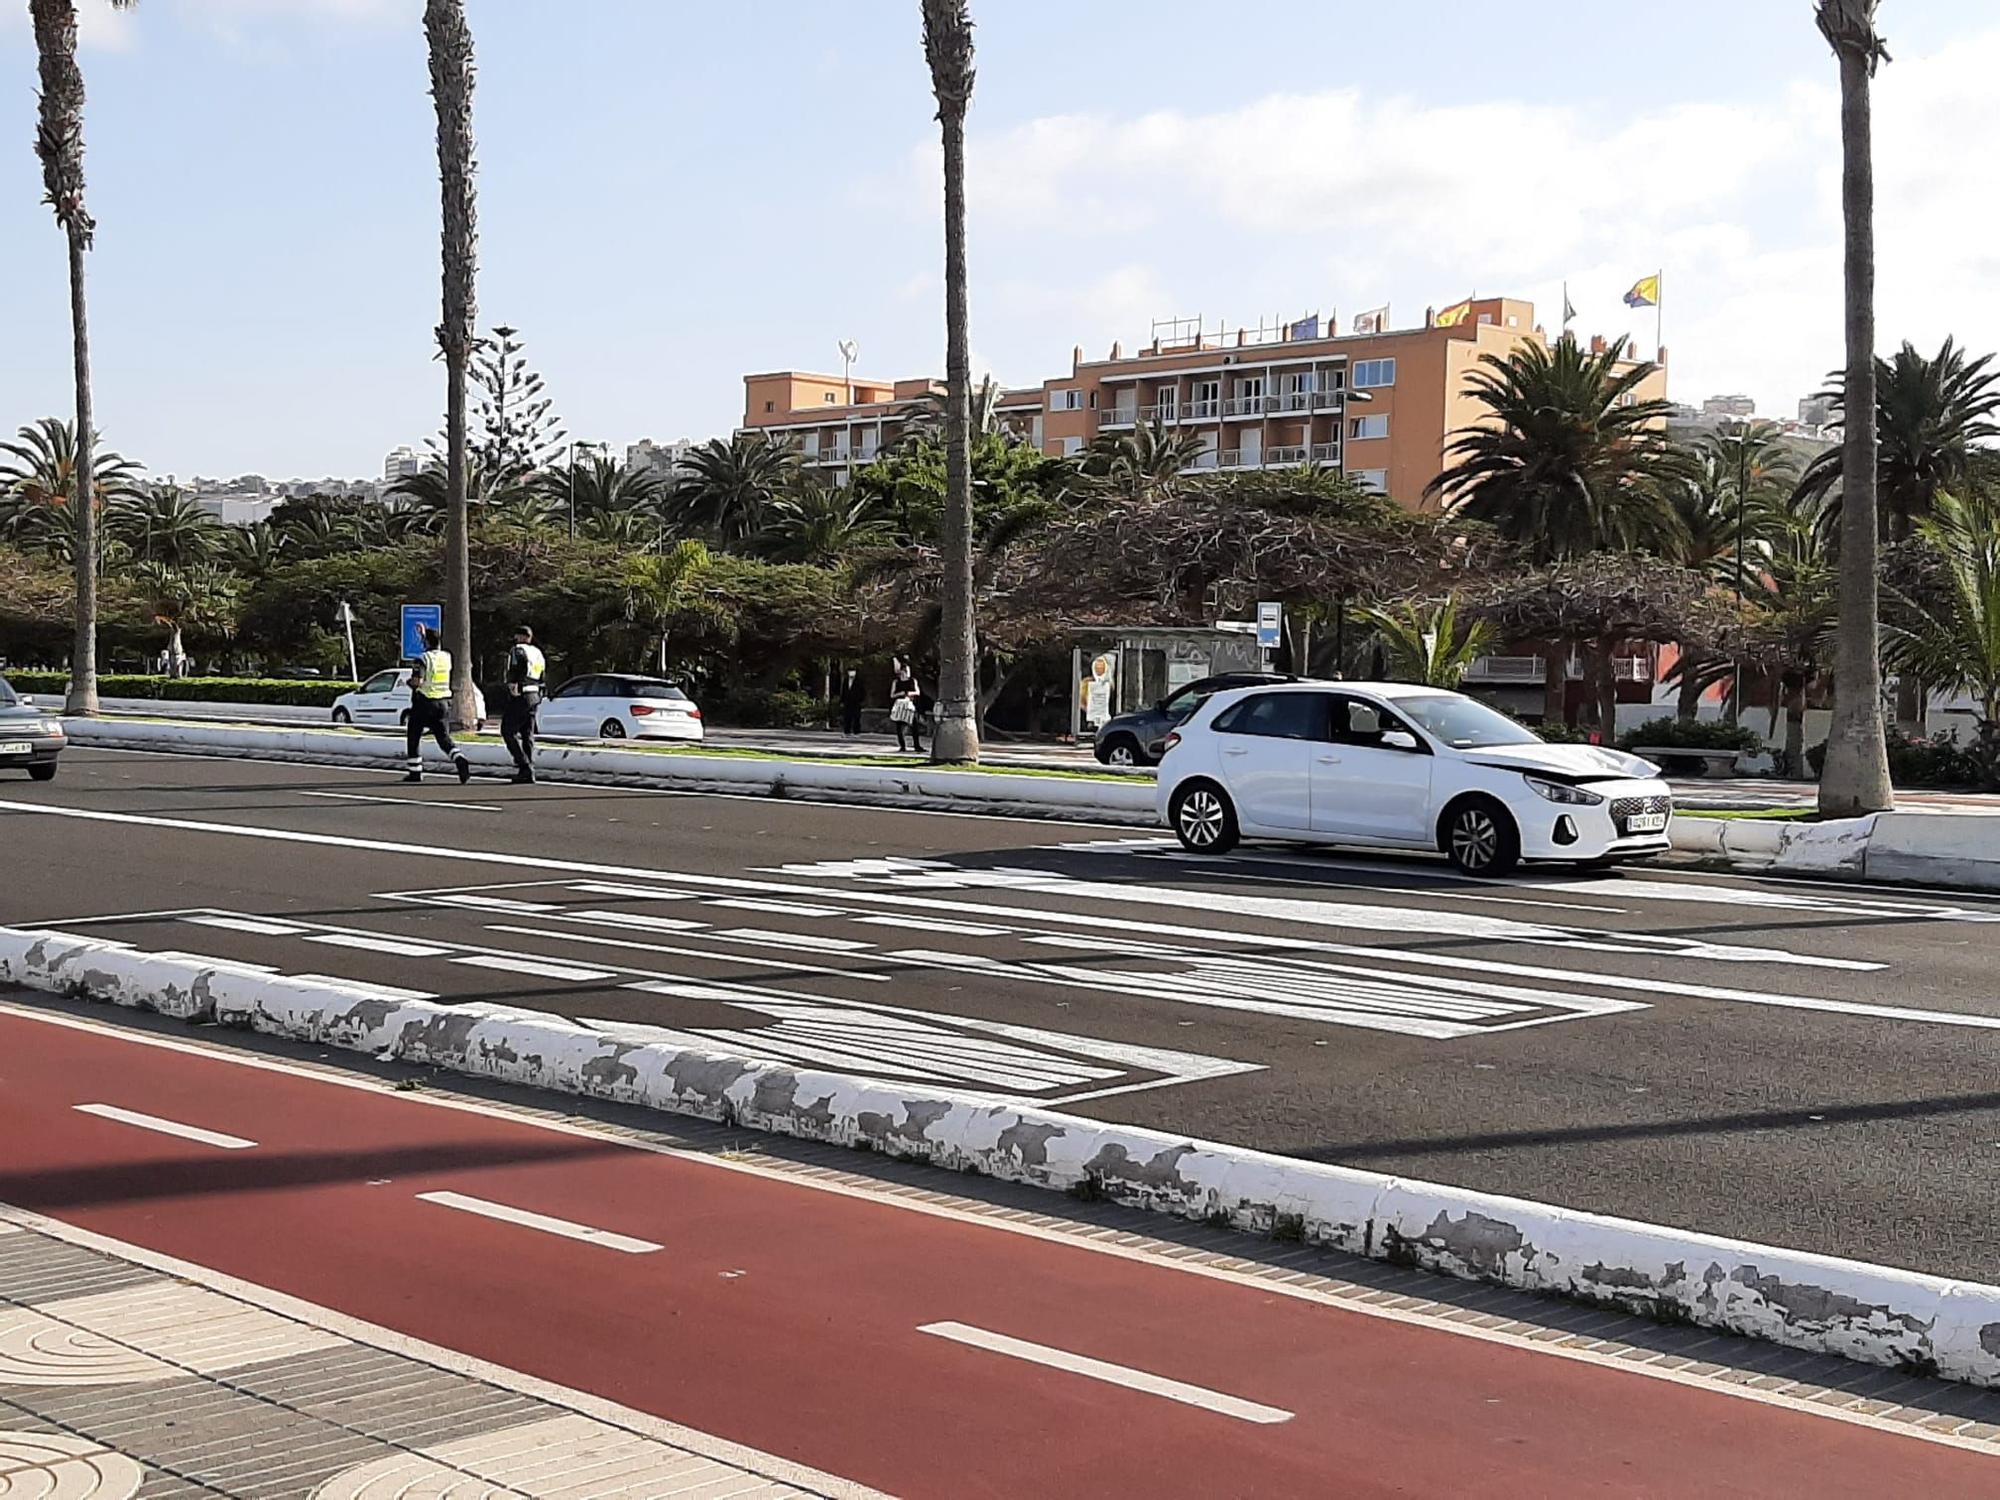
<point>1160,706</point>
<point>1398,739</point>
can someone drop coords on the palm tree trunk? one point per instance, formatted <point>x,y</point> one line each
<point>1555,683</point>
<point>1687,706</point>
<point>955,733</point>
<point>450,41</point>
<point>83,655</point>
<point>1604,687</point>
<point>1795,730</point>
<point>1856,779</point>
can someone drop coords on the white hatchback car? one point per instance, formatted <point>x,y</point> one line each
<point>612,706</point>
<point>1396,766</point>
<point>383,701</point>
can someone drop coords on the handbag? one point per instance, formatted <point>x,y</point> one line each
<point>903,711</point>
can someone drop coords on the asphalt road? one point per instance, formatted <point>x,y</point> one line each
<point>1802,1064</point>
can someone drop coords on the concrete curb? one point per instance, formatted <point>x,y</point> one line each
<point>998,792</point>
<point>1876,1314</point>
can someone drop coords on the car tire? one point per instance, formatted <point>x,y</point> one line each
<point>342,716</point>
<point>44,772</point>
<point>1121,750</point>
<point>1203,818</point>
<point>1479,837</point>
<point>611,729</point>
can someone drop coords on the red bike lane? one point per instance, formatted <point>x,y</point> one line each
<point>793,1319</point>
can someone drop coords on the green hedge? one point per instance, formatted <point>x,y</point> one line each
<point>1690,734</point>
<point>304,694</point>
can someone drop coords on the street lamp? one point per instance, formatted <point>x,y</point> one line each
<point>573,446</point>
<point>848,349</point>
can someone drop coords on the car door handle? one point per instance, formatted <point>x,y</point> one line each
<point>1236,750</point>
<point>1329,760</point>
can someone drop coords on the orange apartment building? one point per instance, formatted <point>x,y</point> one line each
<point>1255,399</point>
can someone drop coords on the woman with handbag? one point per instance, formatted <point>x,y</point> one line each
<point>903,696</point>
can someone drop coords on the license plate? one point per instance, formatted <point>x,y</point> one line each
<point>1645,822</point>
<point>16,747</point>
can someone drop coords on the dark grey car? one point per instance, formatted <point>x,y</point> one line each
<point>30,738</point>
<point>1137,738</point>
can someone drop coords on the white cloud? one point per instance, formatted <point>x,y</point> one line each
<point>1102,223</point>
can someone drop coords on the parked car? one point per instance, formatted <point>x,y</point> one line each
<point>613,706</point>
<point>383,702</point>
<point>1401,767</point>
<point>1137,738</point>
<point>31,739</point>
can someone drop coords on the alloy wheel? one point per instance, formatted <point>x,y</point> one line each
<point>1120,755</point>
<point>1201,818</point>
<point>1475,838</point>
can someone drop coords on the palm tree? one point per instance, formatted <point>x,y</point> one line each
<point>450,44</point>
<point>624,530</point>
<point>39,473</point>
<point>982,414</point>
<point>1758,474</point>
<point>601,485</point>
<point>1856,775</point>
<point>202,597</point>
<point>165,526</point>
<point>1143,461</point>
<point>948,50</point>
<point>1565,460</point>
<point>59,144</point>
<point>254,550</point>
<point>729,483</point>
<point>1431,649</point>
<point>824,525</point>
<point>1951,637</point>
<point>663,591</point>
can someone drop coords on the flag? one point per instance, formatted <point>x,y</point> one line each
<point>1375,320</point>
<point>1645,292</point>
<point>1569,307</point>
<point>1452,316</point>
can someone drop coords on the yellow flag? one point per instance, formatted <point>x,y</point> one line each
<point>1452,316</point>
<point>1645,292</point>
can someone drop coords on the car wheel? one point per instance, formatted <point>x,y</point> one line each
<point>1480,837</point>
<point>1122,751</point>
<point>43,772</point>
<point>342,716</point>
<point>1203,819</point>
<point>611,729</point>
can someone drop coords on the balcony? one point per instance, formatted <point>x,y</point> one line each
<point>1230,458</point>
<point>1164,413</point>
<point>1199,411</point>
<point>1294,400</point>
<point>1205,459</point>
<point>1247,406</point>
<point>1328,400</point>
<point>1117,416</point>
<point>1505,669</point>
<point>1280,454</point>
<point>1326,453</point>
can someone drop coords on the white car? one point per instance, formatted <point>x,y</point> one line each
<point>383,702</point>
<point>610,706</point>
<point>1395,766</point>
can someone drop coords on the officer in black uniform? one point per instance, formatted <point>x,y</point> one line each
<point>430,711</point>
<point>527,672</point>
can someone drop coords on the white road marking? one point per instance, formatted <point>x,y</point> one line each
<point>668,948</point>
<point>781,908</point>
<point>394,946</point>
<point>567,1228</point>
<point>637,921</point>
<point>257,925</point>
<point>1354,1298</point>
<point>484,807</point>
<point>1355,885</point>
<point>496,903</point>
<point>1110,1374</point>
<point>630,892</point>
<point>1016,914</point>
<point>541,968</point>
<point>166,1127</point>
<point>772,938</point>
<point>935,924</point>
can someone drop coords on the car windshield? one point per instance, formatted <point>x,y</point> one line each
<point>1465,723</point>
<point>650,689</point>
<point>7,698</point>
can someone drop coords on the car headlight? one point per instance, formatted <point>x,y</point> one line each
<point>1556,791</point>
<point>50,726</point>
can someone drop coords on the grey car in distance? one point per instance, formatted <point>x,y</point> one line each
<point>30,738</point>
<point>1138,738</point>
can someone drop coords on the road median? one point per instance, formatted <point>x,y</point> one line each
<point>1876,1314</point>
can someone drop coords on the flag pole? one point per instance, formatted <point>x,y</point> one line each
<point>1659,310</point>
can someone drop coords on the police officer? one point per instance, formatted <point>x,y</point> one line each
<point>527,671</point>
<point>430,700</point>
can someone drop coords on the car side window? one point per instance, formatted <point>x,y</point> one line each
<point>1363,724</point>
<point>1284,716</point>
<point>576,687</point>
<point>383,682</point>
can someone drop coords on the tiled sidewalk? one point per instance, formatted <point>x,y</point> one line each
<point>117,1381</point>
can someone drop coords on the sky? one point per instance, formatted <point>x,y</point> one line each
<point>674,193</point>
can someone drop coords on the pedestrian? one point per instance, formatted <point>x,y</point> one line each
<point>527,670</point>
<point>904,696</point>
<point>852,695</point>
<point>430,710</point>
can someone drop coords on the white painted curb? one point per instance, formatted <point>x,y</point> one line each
<point>1097,800</point>
<point>1814,1302</point>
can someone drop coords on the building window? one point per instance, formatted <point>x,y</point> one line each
<point>827,398</point>
<point>1072,446</point>
<point>1372,479</point>
<point>1370,374</point>
<point>1486,317</point>
<point>1166,398</point>
<point>1367,427</point>
<point>770,406</point>
<point>1065,400</point>
<point>1250,387</point>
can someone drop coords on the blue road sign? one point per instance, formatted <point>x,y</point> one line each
<point>415,618</point>
<point>1270,624</point>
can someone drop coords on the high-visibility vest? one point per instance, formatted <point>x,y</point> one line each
<point>434,674</point>
<point>537,664</point>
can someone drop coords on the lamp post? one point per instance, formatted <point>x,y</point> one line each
<point>848,349</point>
<point>574,444</point>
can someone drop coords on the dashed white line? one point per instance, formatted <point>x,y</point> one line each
<point>372,944</point>
<point>771,938</point>
<point>539,967</point>
<point>255,925</point>
<point>567,1228</point>
<point>1110,1374</point>
<point>935,924</point>
<point>166,1127</point>
<point>637,921</point>
<point>781,908</point>
<point>483,807</point>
